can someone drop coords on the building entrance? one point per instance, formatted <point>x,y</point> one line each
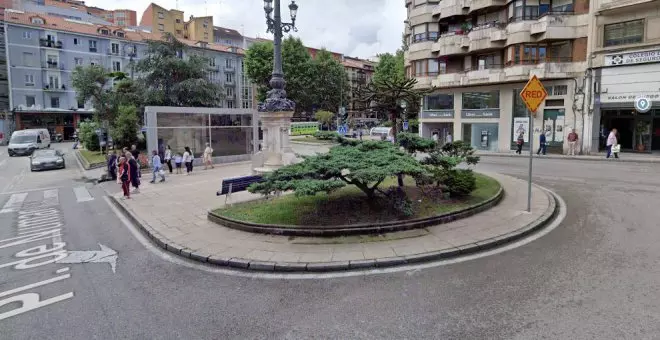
<point>637,132</point>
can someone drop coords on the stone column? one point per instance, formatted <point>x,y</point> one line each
<point>276,151</point>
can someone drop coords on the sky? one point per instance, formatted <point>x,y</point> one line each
<point>357,28</point>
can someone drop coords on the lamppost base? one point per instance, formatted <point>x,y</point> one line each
<point>276,103</point>
<point>276,150</point>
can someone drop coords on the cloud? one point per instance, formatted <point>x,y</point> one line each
<point>360,28</point>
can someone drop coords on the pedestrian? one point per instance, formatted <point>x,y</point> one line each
<point>136,154</point>
<point>112,165</point>
<point>520,142</point>
<point>134,169</point>
<point>612,142</point>
<point>157,167</point>
<point>208,157</point>
<point>572,142</point>
<point>187,159</point>
<point>542,144</point>
<point>168,158</point>
<point>177,162</point>
<point>125,177</point>
<point>449,139</point>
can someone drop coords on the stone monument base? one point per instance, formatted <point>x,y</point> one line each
<point>276,150</point>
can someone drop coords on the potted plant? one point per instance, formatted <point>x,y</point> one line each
<point>640,131</point>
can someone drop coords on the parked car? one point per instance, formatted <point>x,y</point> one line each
<point>24,142</point>
<point>46,159</point>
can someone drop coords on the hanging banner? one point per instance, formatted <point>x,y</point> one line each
<point>559,129</point>
<point>521,125</point>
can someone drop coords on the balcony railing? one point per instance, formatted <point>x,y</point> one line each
<point>567,11</point>
<point>229,68</point>
<point>109,51</point>
<point>537,61</point>
<point>214,68</point>
<point>53,65</point>
<point>426,36</point>
<point>54,88</point>
<point>50,43</point>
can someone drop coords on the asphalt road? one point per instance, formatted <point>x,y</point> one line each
<point>593,277</point>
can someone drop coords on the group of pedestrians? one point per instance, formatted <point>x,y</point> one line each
<point>612,144</point>
<point>125,167</point>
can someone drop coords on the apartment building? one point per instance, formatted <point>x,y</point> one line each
<point>199,29</point>
<point>44,50</point>
<point>162,20</point>
<point>359,74</point>
<point>478,55</point>
<point>625,62</point>
<point>228,36</point>
<point>118,17</point>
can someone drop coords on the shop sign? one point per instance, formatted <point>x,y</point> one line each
<point>481,113</point>
<point>642,105</point>
<point>641,57</point>
<point>628,97</point>
<point>438,114</point>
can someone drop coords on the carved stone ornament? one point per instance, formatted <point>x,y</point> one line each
<point>277,101</point>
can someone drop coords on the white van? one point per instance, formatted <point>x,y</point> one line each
<point>24,142</point>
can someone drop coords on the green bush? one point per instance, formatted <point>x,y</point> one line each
<point>87,135</point>
<point>460,182</point>
<point>125,127</point>
<point>326,135</point>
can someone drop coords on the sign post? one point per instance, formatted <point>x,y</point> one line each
<point>533,94</point>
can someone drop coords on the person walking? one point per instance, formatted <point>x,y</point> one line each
<point>136,154</point>
<point>168,158</point>
<point>177,162</point>
<point>572,142</point>
<point>542,144</point>
<point>134,168</point>
<point>520,142</point>
<point>187,159</point>
<point>208,157</point>
<point>612,142</point>
<point>449,138</point>
<point>125,177</point>
<point>157,167</point>
<point>112,165</point>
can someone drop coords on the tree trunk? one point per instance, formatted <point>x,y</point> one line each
<point>394,127</point>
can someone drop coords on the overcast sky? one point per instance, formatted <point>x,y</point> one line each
<point>359,28</point>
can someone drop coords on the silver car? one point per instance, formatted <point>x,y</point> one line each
<point>46,159</point>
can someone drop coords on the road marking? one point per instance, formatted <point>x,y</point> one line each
<point>35,285</point>
<point>82,194</point>
<point>26,190</point>
<point>51,194</point>
<point>15,201</point>
<point>93,256</point>
<point>62,270</point>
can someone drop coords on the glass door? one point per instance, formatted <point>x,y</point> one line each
<point>642,134</point>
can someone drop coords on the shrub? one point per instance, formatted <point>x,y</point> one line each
<point>125,127</point>
<point>326,135</point>
<point>87,135</point>
<point>460,182</point>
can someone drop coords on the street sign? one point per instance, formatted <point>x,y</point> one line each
<point>533,94</point>
<point>342,129</point>
<point>405,125</point>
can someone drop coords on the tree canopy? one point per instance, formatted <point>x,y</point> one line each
<point>328,80</point>
<point>93,83</point>
<point>324,117</point>
<point>390,67</point>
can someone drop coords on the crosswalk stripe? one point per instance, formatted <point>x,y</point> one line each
<point>15,201</point>
<point>51,194</point>
<point>82,194</point>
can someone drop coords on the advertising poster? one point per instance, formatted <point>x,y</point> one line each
<point>521,125</point>
<point>559,129</point>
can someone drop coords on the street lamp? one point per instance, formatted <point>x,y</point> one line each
<point>276,99</point>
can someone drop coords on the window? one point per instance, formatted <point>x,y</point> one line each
<point>487,61</point>
<point>481,100</point>
<point>212,61</point>
<point>55,102</point>
<point>630,32</point>
<point>230,92</point>
<point>92,46</point>
<point>161,27</point>
<point>116,66</point>
<point>178,21</point>
<point>229,63</point>
<point>29,80</point>
<point>559,90</point>
<point>105,32</point>
<point>523,10</point>
<point>439,101</point>
<point>161,15</point>
<point>37,21</point>
<point>76,41</point>
<point>554,102</point>
<point>78,61</point>
<point>27,35</point>
<point>230,104</point>
<point>229,77</point>
<point>559,52</point>
<point>27,58</point>
<point>115,48</point>
<point>81,105</point>
<point>205,25</point>
<point>54,82</point>
<point>119,33</point>
<point>29,101</point>
<point>178,32</point>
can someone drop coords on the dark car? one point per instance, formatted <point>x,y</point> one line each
<point>46,159</point>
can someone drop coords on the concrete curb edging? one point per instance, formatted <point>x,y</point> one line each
<point>310,143</point>
<point>357,229</point>
<point>85,163</point>
<point>288,267</point>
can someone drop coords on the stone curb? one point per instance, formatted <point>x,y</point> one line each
<point>357,229</point>
<point>314,144</point>
<point>298,267</point>
<point>577,158</point>
<point>85,163</point>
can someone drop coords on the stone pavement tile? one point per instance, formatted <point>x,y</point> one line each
<point>285,257</point>
<point>433,243</point>
<point>171,233</point>
<point>408,250</point>
<point>373,252</point>
<point>347,255</point>
<point>259,255</point>
<point>229,252</point>
<point>456,238</point>
<point>316,257</point>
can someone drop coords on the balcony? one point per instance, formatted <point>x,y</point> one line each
<point>54,88</point>
<point>53,65</point>
<point>230,68</point>
<point>450,8</point>
<point>484,74</point>
<point>560,26</point>
<point>451,44</point>
<point>549,68</point>
<point>487,36</point>
<point>50,43</point>
<point>213,68</point>
<point>109,51</point>
<point>448,80</point>
<point>229,82</point>
<point>518,32</point>
<point>476,5</point>
<point>424,81</point>
<point>421,14</point>
<point>614,5</point>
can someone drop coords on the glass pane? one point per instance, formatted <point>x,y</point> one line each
<point>481,100</point>
<point>182,119</point>
<point>231,141</point>
<point>178,138</point>
<point>439,102</point>
<point>231,120</point>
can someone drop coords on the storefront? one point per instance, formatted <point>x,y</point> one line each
<point>436,117</point>
<point>627,98</point>
<point>57,122</point>
<point>480,115</point>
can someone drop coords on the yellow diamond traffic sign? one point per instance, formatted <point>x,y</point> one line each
<point>533,94</point>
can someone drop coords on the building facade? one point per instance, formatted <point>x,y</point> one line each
<point>625,48</point>
<point>43,51</point>
<point>478,55</point>
<point>171,21</point>
<point>359,74</point>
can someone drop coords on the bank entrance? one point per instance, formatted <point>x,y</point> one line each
<point>637,132</point>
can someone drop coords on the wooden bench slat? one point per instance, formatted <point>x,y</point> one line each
<point>238,184</point>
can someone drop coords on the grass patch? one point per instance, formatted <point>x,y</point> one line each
<point>310,139</point>
<point>350,206</point>
<point>93,157</point>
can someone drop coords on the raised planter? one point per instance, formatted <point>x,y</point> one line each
<point>86,164</point>
<point>356,229</point>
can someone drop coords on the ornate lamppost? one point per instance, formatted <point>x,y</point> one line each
<point>276,111</point>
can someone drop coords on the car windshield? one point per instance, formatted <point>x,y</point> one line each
<point>45,153</point>
<point>23,139</point>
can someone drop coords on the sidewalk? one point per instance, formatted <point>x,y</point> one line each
<point>623,157</point>
<point>174,215</point>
